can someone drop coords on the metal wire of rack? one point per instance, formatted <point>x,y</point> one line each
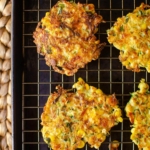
<point>106,73</point>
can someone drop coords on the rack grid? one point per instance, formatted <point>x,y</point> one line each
<point>106,73</point>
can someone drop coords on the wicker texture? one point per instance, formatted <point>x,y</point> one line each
<point>5,76</point>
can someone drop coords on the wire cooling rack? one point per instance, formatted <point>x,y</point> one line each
<point>106,73</point>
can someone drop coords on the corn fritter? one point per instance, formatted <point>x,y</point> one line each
<point>70,119</point>
<point>131,35</point>
<point>138,112</point>
<point>65,36</point>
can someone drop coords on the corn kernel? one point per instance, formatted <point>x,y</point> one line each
<point>47,13</point>
<point>97,121</point>
<point>120,119</point>
<point>81,144</point>
<point>52,138</point>
<point>132,136</point>
<point>129,108</point>
<point>80,79</point>
<point>100,112</point>
<point>115,28</point>
<point>143,86</point>
<point>96,129</point>
<point>45,21</point>
<point>90,98</point>
<point>87,86</point>
<point>80,133</point>
<point>92,113</point>
<point>118,113</point>
<point>143,26</point>
<point>99,91</point>
<point>99,135</point>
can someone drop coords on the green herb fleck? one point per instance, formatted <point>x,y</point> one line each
<point>69,125</point>
<point>132,94</point>
<point>47,31</point>
<point>121,28</point>
<point>48,140</point>
<point>100,105</point>
<point>42,50</point>
<point>140,13</point>
<point>71,116</point>
<point>141,53</point>
<point>60,8</point>
<point>148,92</point>
<point>72,1</point>
<point>126,20</point>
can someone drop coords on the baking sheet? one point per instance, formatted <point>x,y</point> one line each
<point>17,69</point>
<point>39,80</point>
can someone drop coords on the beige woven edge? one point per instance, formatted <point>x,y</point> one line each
<point>5,75</point>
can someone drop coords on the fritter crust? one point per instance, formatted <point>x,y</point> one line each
<point>70,119</point>
<point>131,35</point>
<point>65,36</point>
<point>138,112</point>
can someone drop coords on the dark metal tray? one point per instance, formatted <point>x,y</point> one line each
<point>33,80</point>
<point>17,70</point>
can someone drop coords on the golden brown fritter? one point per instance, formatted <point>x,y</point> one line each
<point>114,145</point>
<point>131,35</point>
<point>70,119</point>
<point>138,112</point>
<point>65,36</point>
